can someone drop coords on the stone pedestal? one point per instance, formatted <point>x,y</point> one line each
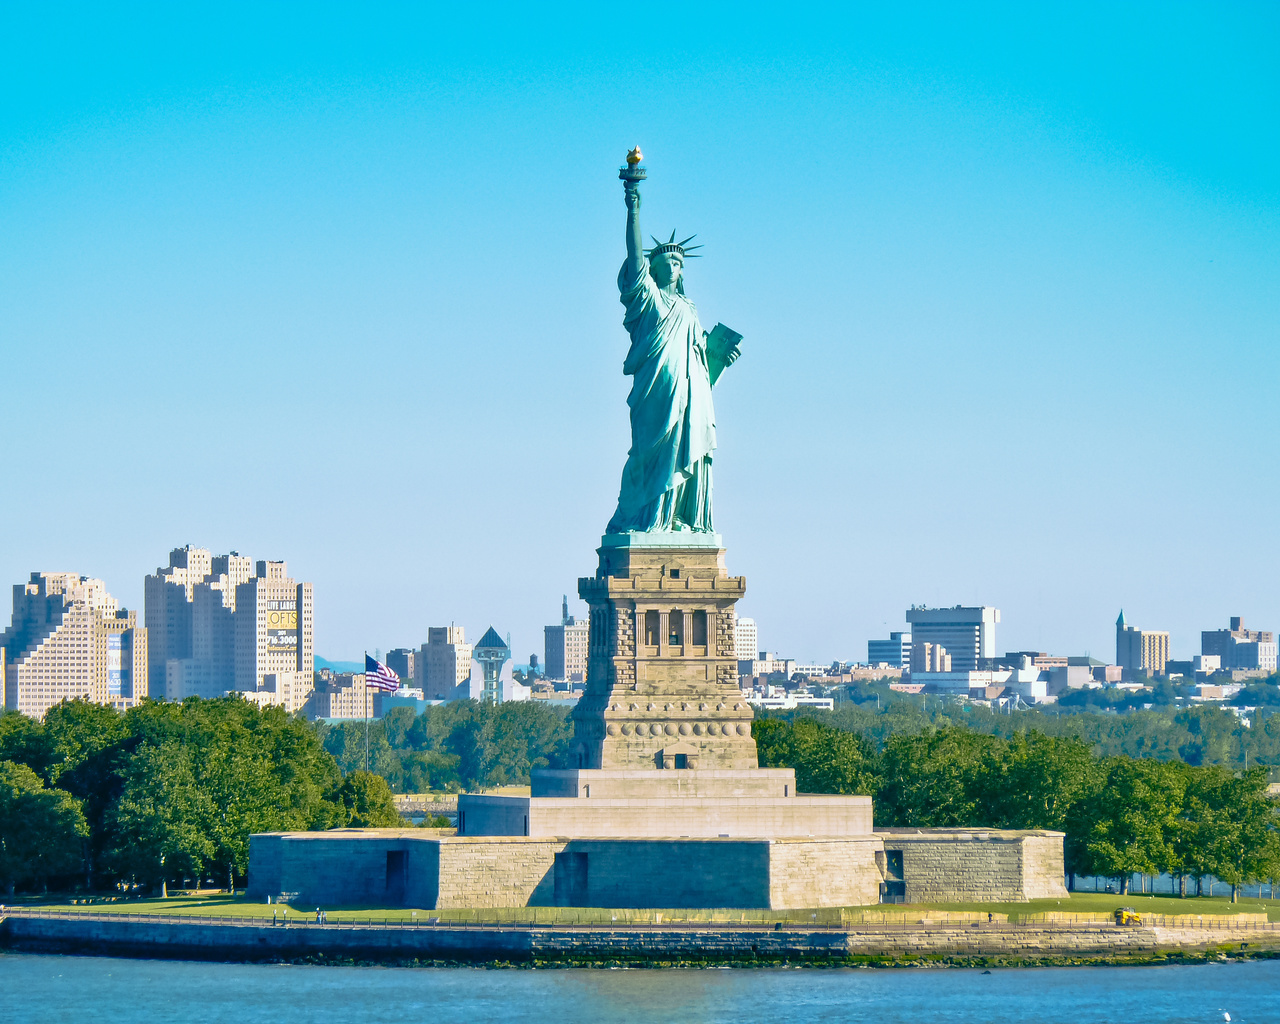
<point>662,676</point>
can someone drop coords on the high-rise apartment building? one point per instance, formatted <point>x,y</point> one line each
<point>70,639</point>
<point>167,607</point>
<point>214,642</point>
<point>968,634</point>
<point>446,661</point>
<point>746,640</point>
<point>895,651</point>
<point>1141,650</point>
<point>1238,647</point>
<point>273,627</point>
<point>566,646</point>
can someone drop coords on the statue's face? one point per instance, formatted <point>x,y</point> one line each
<point>666,268</point>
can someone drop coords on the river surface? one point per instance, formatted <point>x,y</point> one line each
<point>98,990</point>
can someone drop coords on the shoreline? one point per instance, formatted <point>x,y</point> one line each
<point>920,946</point>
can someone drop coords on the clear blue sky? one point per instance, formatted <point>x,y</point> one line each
<point>336,285</point>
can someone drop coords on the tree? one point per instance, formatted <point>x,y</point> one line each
<point>23,741</point>
<point>1035,781</point>
<point>87,741</point>
<point>162,822</point>
<point>363,800</point>
<point>40,829</point>
<point>825,760</point>
<point>1126,825</point>
<point>937,779</point>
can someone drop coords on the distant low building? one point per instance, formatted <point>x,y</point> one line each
<point>340,695</point>
<point>895,651</point>
<point>1240,648</point>
<point>1140,650</point>
<point>565,647</point>
<point>403,661</point>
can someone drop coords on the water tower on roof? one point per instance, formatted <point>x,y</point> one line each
<point>492,653</point>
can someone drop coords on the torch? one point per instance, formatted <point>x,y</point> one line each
<point>633,173</point>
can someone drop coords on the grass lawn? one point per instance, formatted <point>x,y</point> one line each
<point>239,906</point>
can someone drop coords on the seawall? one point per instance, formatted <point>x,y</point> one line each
<point>244,940</point>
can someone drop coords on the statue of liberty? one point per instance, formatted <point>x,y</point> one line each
<point>666,483</point>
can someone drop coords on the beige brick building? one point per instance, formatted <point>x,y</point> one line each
<point>340,695</point>
<point>70,639</point>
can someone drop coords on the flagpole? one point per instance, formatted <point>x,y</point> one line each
<point>366,712</point>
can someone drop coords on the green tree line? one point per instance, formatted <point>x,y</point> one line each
<point>164,792</point>
<point>460,745</point>
<point>1122,815</point>
<point>1198,735</point>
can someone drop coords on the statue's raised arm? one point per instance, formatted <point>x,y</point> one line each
<point>635,239</point>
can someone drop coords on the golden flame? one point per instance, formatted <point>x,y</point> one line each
<point>634,156</point>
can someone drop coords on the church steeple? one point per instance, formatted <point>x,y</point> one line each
<point>1120,621</point>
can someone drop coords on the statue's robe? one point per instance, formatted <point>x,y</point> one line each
<point>666,483</point>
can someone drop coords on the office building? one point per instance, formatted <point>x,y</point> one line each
<point>895,651</point>
<point>403,661</point>
<point>968,634</point>
<point>1139,650</point>
<point>69,639</point>
<point>446,662</point>
<point>1240,648</point>
<point>746,640</point>
<point>565,647</point>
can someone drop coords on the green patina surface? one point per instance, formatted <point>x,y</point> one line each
<point>673,363</point>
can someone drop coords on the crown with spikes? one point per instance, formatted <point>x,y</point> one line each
<point>679,248</point>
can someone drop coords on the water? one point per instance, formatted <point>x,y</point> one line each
<point>56,989</point>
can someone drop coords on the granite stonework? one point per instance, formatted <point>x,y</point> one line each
<point>662,670</point>
<point>389,867</point>
<point>941,865</point>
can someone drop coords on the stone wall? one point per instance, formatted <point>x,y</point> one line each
<point>1043,866</point>
<point>816,873</point>
<point>223,940</point>
<point>665,817</point>
<point>495,872</point>
<point>344,866</point>
<point>676,873</point>
<point>640,783</point>
<point>980,866</point>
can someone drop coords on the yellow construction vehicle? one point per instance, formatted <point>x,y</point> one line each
<point>1128,916</point>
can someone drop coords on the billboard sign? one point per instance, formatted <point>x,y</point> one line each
<point>282,625</point>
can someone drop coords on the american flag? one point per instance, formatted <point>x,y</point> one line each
<point>378,676</point>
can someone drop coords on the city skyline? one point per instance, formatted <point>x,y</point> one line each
<point>1034,266</point>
